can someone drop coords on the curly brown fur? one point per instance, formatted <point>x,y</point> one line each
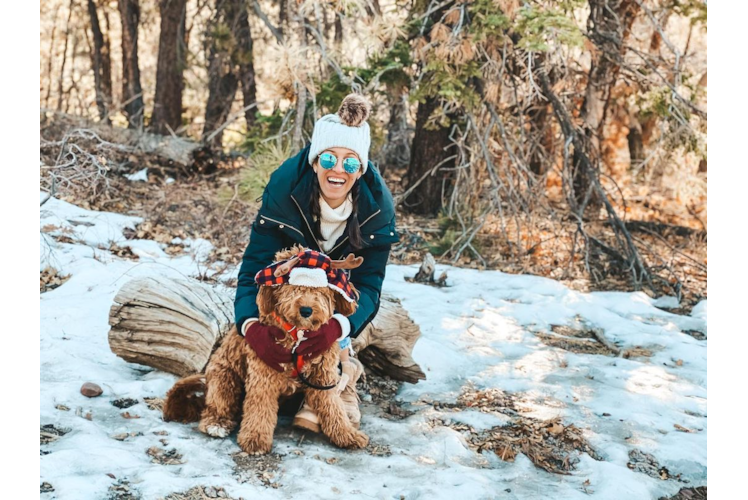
<point>354,110</point>
<point>241,386</point>
<point>186,400</point>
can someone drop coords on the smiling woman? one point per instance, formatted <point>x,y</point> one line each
<point>328,198</point>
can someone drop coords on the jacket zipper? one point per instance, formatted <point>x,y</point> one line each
<point>362,225</point>
<point>307,222</point>
<point>283,224</point>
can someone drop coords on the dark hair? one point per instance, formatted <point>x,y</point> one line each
<point>353,229</point>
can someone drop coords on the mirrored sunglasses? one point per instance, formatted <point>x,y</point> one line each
<point>329,160</point>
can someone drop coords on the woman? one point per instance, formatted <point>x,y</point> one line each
<point>330,198</point>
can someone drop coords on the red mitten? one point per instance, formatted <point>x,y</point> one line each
<point>318,341</point>
<point>263,340</point>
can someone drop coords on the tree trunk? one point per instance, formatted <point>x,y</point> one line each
<point>132,93</point>
<point>429,147</point>
<point>101,65</point>
<point>106,58</point>
<point>296,24</point>
<point>245,59</point>
<point>175,326</point>
<point>60,82</point>
<point>338,33</point>
<point>396,150</point>
<point>167,106</point>
<point>427,151</point>
<point>230,62</point>
<point>51,57</point>
<point>608,26</point>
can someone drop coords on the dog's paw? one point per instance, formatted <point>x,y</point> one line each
<point>355,439</point>
<point>217,431</point>
<point>254,444</point>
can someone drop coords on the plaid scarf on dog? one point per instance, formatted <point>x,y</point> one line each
<point>337,279</point>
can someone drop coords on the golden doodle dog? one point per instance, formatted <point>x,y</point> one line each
<point>239,384</point>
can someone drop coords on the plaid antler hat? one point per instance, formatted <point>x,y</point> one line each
<point>314,269</point>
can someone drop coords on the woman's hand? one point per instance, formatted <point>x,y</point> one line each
<point>318,341</point>
<point>264,341</point>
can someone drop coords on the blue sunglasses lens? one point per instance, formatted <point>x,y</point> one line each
<point>327,161</point>
<point>351,165</point>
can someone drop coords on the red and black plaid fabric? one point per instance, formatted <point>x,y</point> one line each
<point>337,279</point>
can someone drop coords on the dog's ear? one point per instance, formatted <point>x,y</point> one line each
<point>266,300</point>
<point>343,306</point>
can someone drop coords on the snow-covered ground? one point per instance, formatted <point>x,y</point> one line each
<point>480,332</point>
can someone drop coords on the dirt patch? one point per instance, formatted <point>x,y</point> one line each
<point>121,490</point>
<point>381,391</point>
<point>164,457</point>
<point>579,337</point>
<point>50,433</point>
<point>648,464</point>
<point>258,469</point>
<point>698,335</point>
<point>200,493</point>
<point>378,450</point>
<point>575,345</point>
<point>123,403</point>
<point>688,494</point>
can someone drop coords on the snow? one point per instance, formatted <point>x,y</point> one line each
<point>479,332</point>
<point>140,175</point>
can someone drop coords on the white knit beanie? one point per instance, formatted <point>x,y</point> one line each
<point>345,129</point>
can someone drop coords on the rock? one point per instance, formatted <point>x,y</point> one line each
<point>91,390</point>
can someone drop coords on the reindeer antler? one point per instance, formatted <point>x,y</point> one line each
<point>350,262</point>
<point>286,267</point>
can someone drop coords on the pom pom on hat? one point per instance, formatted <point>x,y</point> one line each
<point>354,110</point>
<point>345,129</point>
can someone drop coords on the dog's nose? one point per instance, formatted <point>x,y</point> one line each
<point>305,311</point>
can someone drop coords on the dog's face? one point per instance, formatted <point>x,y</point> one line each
<point>307,308</point>
<point>304,307</point>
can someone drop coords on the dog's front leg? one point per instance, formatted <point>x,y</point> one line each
<point>223,398</point>
<point>259,418</point>
<point>332,418</point>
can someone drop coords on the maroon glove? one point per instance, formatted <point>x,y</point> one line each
<point>319,341</point>
<point>263,340</point>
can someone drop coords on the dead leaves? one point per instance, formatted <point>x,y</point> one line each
<point>549,444</point>
<point>164,457</point>
<point>49,279</point>
<point>154,403</point>
<point>124,252</point>
<point>575,345</point>
<point>637,352</point>
<point>49,433</point>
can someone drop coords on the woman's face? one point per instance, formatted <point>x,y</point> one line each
<point>336,183</point>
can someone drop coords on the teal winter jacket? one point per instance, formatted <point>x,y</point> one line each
<point>285,219</point>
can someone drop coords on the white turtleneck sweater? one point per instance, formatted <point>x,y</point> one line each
<point>333,221</point>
